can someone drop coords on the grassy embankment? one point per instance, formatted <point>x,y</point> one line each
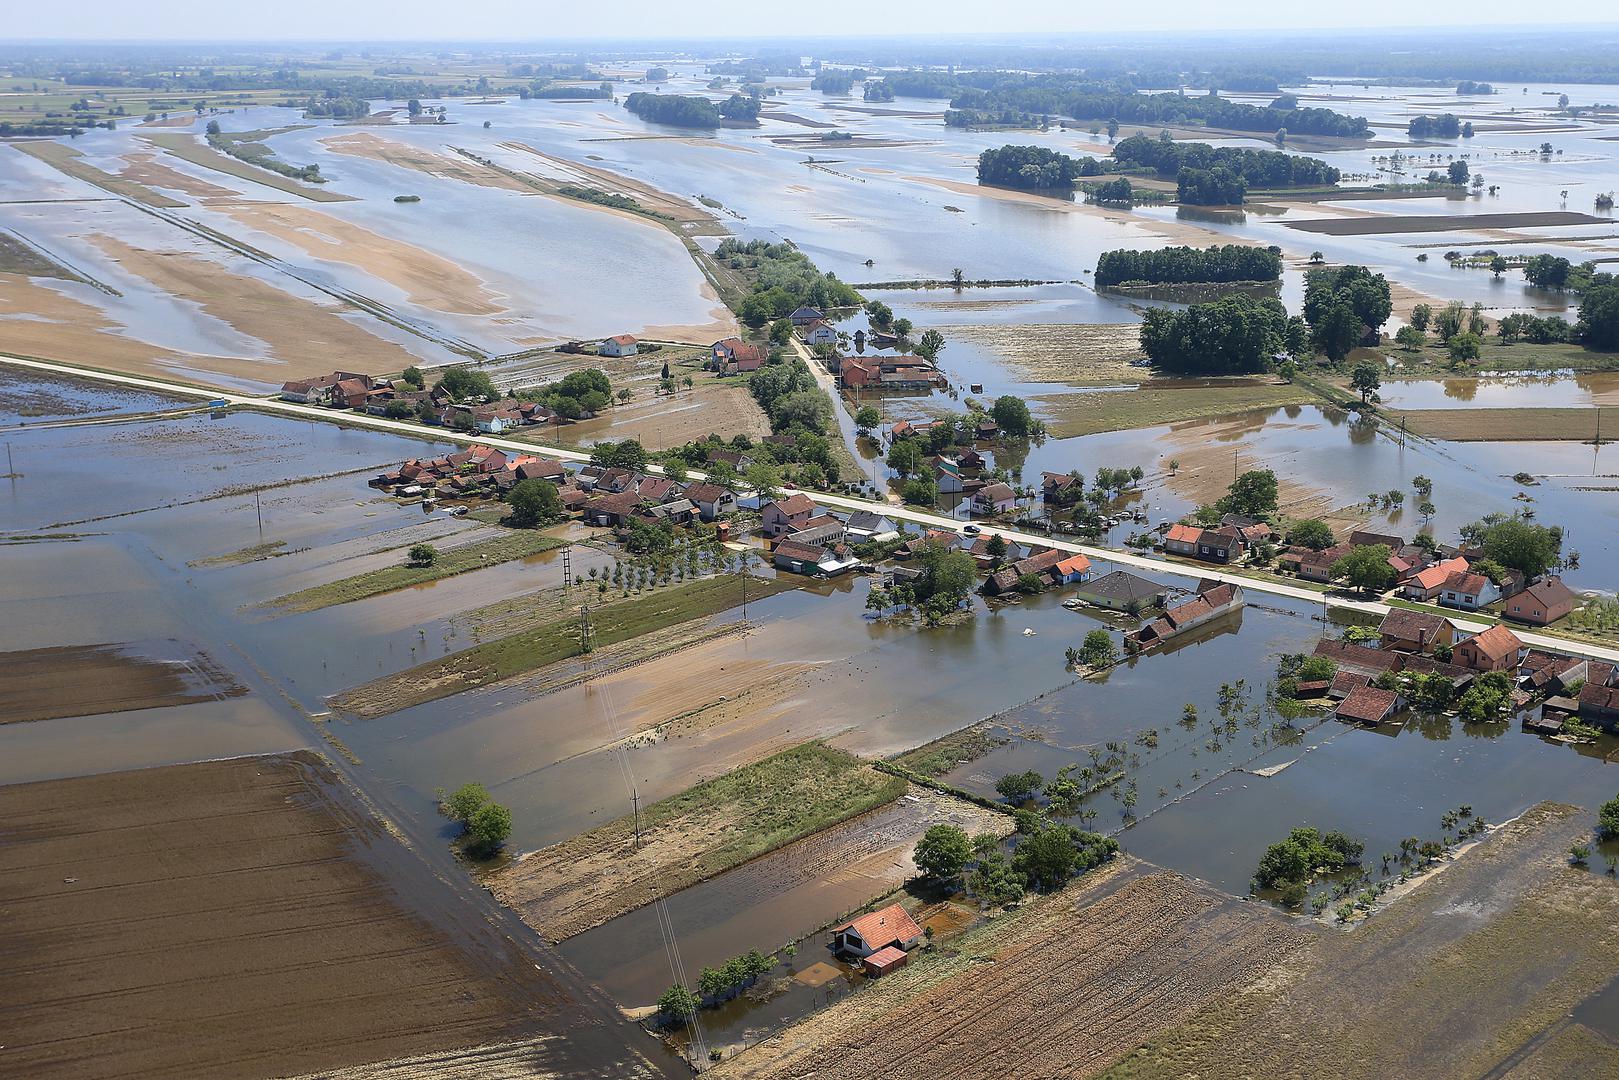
<point>617,620</point>
<point>686,838</point>
<point>186,147</point>
<point>450,562</point>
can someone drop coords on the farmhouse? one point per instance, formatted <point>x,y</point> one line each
<point>804,316</point>
<point>1430,582</point>
<point>735,356</point>
<point>819,332</point>
<point>1368,705</point>
<point>997,498</point>
<point>618,345</point>
<point>1213,600</point>
<point>1182,539</point>
<point>781,516</point>
<point>889,927</point>
<point>1122,591</point>
<point>812,559</point>
<point>711,500</point>
<point>1415,631</point>
<point>1542,603</point>
<point>1495,649</point>
<point>1467,590</point>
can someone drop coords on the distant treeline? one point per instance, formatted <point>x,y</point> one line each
<point>833,82</point>
<point>684,110</point>
<point>1186,265</point>
<point>1033,168</point>
<point>1214,112</point>
<point>1443,126</point>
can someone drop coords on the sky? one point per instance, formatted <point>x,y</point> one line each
<point>540,20</point>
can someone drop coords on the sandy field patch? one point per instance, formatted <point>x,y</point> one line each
<point>183,120</point>
<point>83,680</point>
<point>1060,988</point>
<point>428,280</point>
<point>147,169</point>
<point>1456,979</point>
<point>1376,224</point>
<point>305,335</point>
<point>187,148</point>
<point>405,156</point>
<point>654,199</point>
<point>232,920</point>
<point>66,159</point>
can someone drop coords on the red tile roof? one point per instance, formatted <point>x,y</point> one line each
<point>1183,534</point>
<point>1497,642</point>
<point>1436,575</point>
<point>883,927</point>
<point>793,505</point>
<point>1367,705</point>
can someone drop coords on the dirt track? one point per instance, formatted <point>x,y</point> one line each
<point>1060,989</point>
<point>232,919</point>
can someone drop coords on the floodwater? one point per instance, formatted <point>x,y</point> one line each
<point>1504,392</point>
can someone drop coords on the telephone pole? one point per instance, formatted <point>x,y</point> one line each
<point>258,507</point>
<point>635,806</point>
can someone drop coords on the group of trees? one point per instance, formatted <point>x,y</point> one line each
<point>1289,867</point>
<point>1260,168</point>
<point>1033,168</point>
<point>833,82</point>
<point>1443,126</point>
<point>1344,307</point>
<point>533,502</point>
<point>1234,335</point>
<point>783,279</point>
<point>1047,856</point>
<point>1214,111</point>
<point>465,384</point>
<point>577,394</point>
<point>1180,265</point>
<point>1515,543</point>
<point>485,825</point>
<point>679,1004</point>
<point>678,110</point>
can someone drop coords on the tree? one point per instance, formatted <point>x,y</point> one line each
<point>929,345</point>
<point>464,384</point>
<point>1457,172</point>
<point>423,555</point>
<point>764,479</point>
<point>678,1004</point>
<point>1498,265</point>
<point>488,828</point>
<point>905,457</point>
<point>1019,787</point>
<point>1421,315</point>
<point>942,852</point>
<point>920,491</point>
<point>867,418</point>
<point>958,279</point>
<point>413,377</point>
<point>1312,533</point>
<point>1012,415</point>
<point>1097,649</point>
<point>1047,858</point>
<point>399,410</point>
<point>1409,338</point>
<point>1465,347</point>
<point>1608,819</point>
<point>465,801</point>
<point>1253,494</point>
<point>1599,313</point>
<point>1366,568</point>
<point>1345,305</point>
<point>1365,379</point>
<point>1518,544</point>
<point>534,502</point>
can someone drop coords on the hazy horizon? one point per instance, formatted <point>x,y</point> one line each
<point>411,21</point>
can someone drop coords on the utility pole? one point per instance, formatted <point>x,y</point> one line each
<point>258,507</point>
<point>635,806</point>
<point>567,572</point>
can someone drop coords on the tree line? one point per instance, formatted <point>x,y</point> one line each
<point>1138,108</point>
<point>1033,168</point>
<point>689,110</point>
<point>1182,265</point>
<point>1261,168</point>
<point>783,279</point>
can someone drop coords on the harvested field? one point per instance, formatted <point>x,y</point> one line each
<point>66,159</point>
<point>86,680</point>
<point>231,919</point>
<point>1501,425</point>
<point>426,279</point>
<point>571,887</point>
<point>1459,978</point>
<point>147,169</point>
<point>1158,403</point>
<point>531,650</point>
<point>1079,354</point>
<point>405,156</point>
<point>502,548</point>
<point>1376,224</point>
<point>1060,988</point>
<point>187,148</point>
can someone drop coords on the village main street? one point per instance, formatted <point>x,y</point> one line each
<point>841,502</point>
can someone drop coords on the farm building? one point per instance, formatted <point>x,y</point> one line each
<point>889,927</point>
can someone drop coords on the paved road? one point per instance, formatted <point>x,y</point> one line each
<point>842,502</point>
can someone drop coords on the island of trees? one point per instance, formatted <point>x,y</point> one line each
<point>683,110</point>
<point>1033,168</point>
<point>1220,176</point>
<point>1032,102</point>
<point>1185,265</point>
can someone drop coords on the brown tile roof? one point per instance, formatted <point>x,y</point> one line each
<point>1343,652</point>
<point>793,505</point>
<point>791,549</point>
<point>1497,642</point>
<point>1217,594</point>
<point>1467,583</point>
<point>707,493</point>
<point>1550,592</point>
<point>1367,705</point>
<point>1344,682</point>
<point>883,927</point>
<point>1418,626</point>
<point>1035,564</point>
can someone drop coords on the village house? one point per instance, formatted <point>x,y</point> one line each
<point>1345,683</point>
<point>997,498</point>
<point>612,509</point>
<point>494,419</point>
<point>733,356</point>
<point>618,345</point>
<point>675,511</point>
<point>1430,581</point>
<point>1368,705</point>
<point>1495,649</point>
<point>968,459</point>
<point>986,430</point>
<point>1365,538</point>
<point>615,479</point>
<point>1415,631</point>
<point>812,559</point>
<point>890,373</point>
<point>1542,603</point>
<point>804,316</point>
<point>1222,545</point>
<point>1599,699</point>
<point>711,500</point>
<point>1073,568</point>
<point>822,531</point>
<point>1359,658</point>
<point>819,332</point>
<point>1005,580</point>
<point>782,516</point>
<point>308,391</point>
<point>1467,590</point>
<point>864,525</point>
<point>1213,599</point>
<point>350,393</point>
<point>1122,591</point>
<point>889,927</point>
<point>657,489</point>
<point>1054,487</point>
<point>1543,672</point>
<point>1182,539</point>
<point>947,477</point>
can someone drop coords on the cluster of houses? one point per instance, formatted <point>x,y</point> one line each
<point>1412,641</point>
<point>1224,543</point>
<point>348,390</point>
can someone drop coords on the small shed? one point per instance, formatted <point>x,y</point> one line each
<point>884,960</point>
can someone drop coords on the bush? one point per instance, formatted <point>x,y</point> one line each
<point>1608,819</point>
<point>488,828</point>
<point>465,801</point>
<point>1019,787</point>
<point>423,555</point>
